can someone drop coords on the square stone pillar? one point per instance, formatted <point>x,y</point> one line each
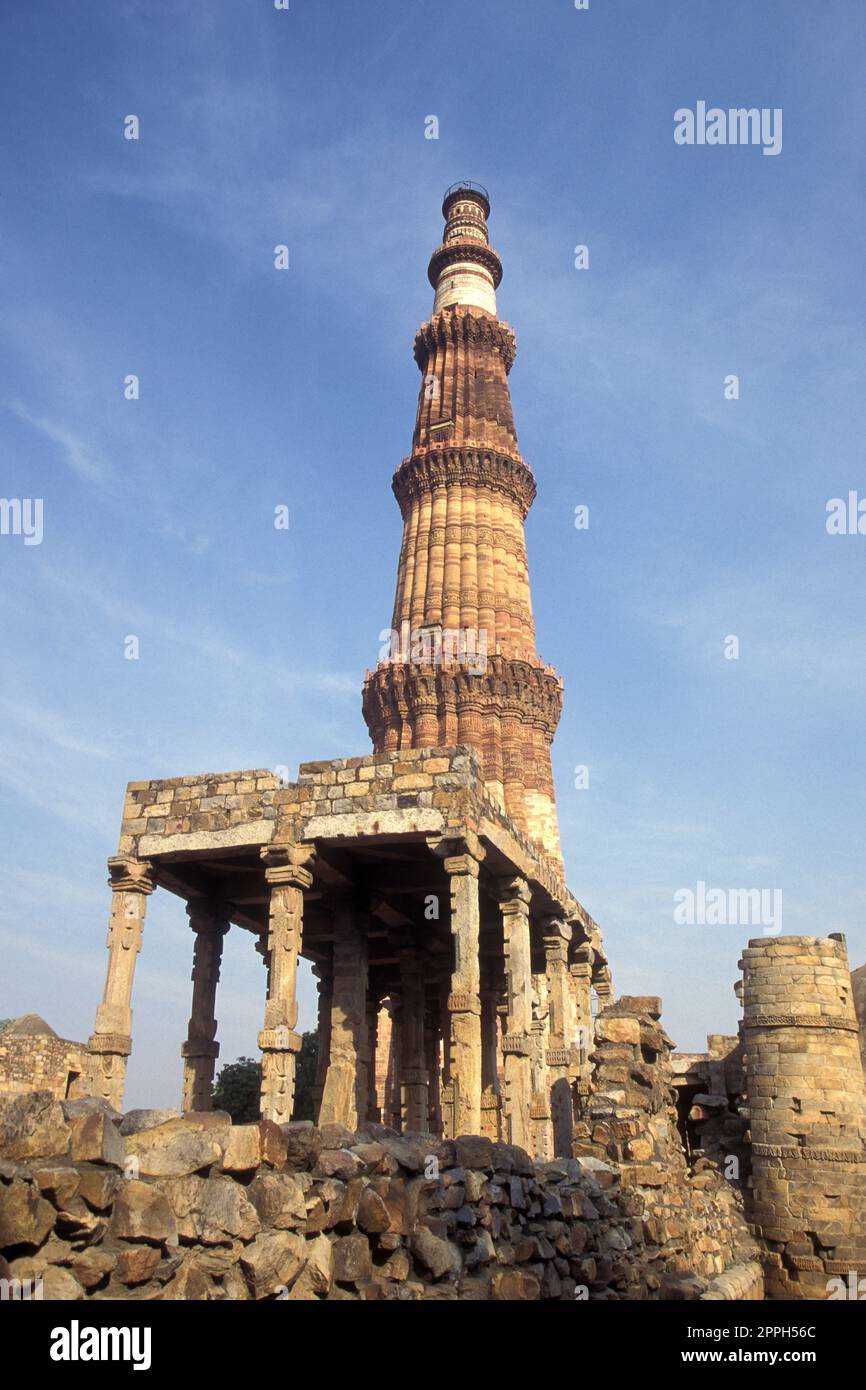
<point>542,1129</point>
<point>200,1051</point>
<point>287,877</point>
<point>563,1055</point>
<point>491,995</point>
<point>131,882</point>
<point>344,1100</point>
<point>583,1028</point>
<point>514,902</point>
<point>391,1114</point>
<point>373,1005</point>
<point>325,988</point>
<point>432,1049</point>
<point>414,1079</point>
<point>462,1098</point>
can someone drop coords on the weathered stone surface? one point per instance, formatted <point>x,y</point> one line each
<point>352,1259</point>
<point>279,1200</point>
<point>303,1143</point>
<point>271,1261</point>
<point>336,1163</point>
<point>60,1285</point>
<point>176,1148</point>
<point>316,1277</point>
<point>435,1254</point>
<point>514,1285</point>
<point>243,1151</point>
<point>225,1210</point>
<point>32,1125</point>
<point>141,1212</point>
<point>190,1284</point>
<point>93,1266</point>
<point>89,1105</point>
<point>25,1217</point>
<point>373,1215</point>
<point>58,1182</point>
<point>97,1185</point>
<point>396,1267</point>
<point>137,1264</point>
<point>96,1139</point>
<point>134,1121</point>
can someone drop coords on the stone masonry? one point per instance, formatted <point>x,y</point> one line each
<point>807,1112</point>
<point>34,1058</point>
<point>158,1206</point>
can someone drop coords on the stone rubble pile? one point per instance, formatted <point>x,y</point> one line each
<point>629,1120</point>
<point>155,1205</point>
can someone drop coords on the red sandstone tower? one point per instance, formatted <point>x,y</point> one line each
<point>462,666</point>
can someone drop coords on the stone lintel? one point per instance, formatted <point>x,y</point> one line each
<point>257,832</point>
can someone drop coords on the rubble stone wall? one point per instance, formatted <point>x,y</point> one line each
<point>158,1206</point>
<point>41,1061</point>
<point>629,1121</point>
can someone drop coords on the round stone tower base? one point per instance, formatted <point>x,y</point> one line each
<point>807,1108</point>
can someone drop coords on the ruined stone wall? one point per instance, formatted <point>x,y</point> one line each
<point>858,984</point>
<point>629,1123</point>
<point>41,1062</point>
<point>807,1112</point>
<point>154,1205</point>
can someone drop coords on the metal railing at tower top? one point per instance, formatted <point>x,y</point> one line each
<point>465,186</point>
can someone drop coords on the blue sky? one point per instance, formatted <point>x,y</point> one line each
<point>259,387</point>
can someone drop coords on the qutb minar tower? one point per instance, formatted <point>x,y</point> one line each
<point>463,666</point>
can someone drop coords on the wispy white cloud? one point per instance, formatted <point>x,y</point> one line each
<point>80,456</point>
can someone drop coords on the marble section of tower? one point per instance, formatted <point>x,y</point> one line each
<point>463,666</point>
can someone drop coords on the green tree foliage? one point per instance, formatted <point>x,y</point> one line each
<point>238,1086</point>
<point>305,1076</point>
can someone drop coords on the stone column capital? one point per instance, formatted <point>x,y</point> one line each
<point>461,854</point>
<point>207,916</point>
<point>558,922</point>
<point>286,866</point>
<point>515,894</point>
<point>129,875</point>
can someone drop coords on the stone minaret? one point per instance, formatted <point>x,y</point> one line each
<point>462,665</point>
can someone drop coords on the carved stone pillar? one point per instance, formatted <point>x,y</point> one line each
<point>517,1044</point>
<point>344,1100</point>
<point>392,1111</point>
<point>580,973</point>
<point>200,1051</point>
<point>414,1080</point>
<point>325,988</point>
<point>464,1002</point>
<point>562,1052</point>
<point>131,882</point>
<point>542,1129</point>
<point>431,1057</point>
<point>490,1096</point>
<point>287,877</point>
<point>373,1006</point>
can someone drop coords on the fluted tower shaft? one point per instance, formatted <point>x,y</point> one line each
<point>462,666</point>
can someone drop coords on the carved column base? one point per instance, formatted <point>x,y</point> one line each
<point>279,1047</point>
<point>106,1066</point>
<point>199,1058</point>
